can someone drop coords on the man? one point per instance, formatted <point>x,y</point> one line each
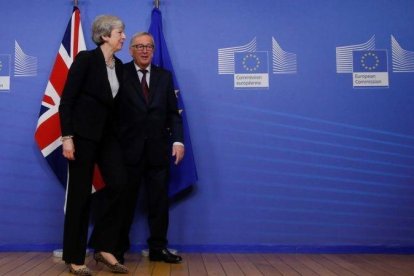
<point>149,122</point>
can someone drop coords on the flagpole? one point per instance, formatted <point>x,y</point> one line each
<point>157,4</point>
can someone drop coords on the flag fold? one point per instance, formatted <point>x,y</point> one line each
<point>184,175</point>
<point>48,133</point>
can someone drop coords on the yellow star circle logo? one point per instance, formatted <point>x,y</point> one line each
<point>370,61</point>
<point>251,62</point>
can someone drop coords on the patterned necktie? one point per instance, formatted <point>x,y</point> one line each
<point>144,85</point>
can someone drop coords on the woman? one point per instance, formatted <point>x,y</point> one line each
<point>88,135</point>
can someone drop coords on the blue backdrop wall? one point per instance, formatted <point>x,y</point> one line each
<point>305,159</point>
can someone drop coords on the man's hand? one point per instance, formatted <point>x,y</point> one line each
<point>178,152</point>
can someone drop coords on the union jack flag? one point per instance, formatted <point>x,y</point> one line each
<point>48,133</point>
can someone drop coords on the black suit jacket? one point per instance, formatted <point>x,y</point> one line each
<point>154,125</point>
<point>87,105</point>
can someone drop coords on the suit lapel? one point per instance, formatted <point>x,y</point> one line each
<point>154,79</point>
<point>136,92</point>
<point>101,71</point>
<point>118,70</point>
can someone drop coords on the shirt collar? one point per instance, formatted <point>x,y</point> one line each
<point>148,67</point>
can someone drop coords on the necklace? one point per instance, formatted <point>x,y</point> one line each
<point>110,64</point>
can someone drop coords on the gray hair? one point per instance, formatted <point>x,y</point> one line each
<point>141,34</point>
<point>103,26</point>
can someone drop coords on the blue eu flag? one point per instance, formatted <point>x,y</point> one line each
<point>370,61</point>
<point>250,63</point>
<point>184,175</point>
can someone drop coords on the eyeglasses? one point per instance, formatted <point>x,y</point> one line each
<point>141,47</point>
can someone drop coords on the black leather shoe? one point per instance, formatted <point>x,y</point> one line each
<point>163,255</point>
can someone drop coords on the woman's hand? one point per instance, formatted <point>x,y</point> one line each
<point>68,148</point>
